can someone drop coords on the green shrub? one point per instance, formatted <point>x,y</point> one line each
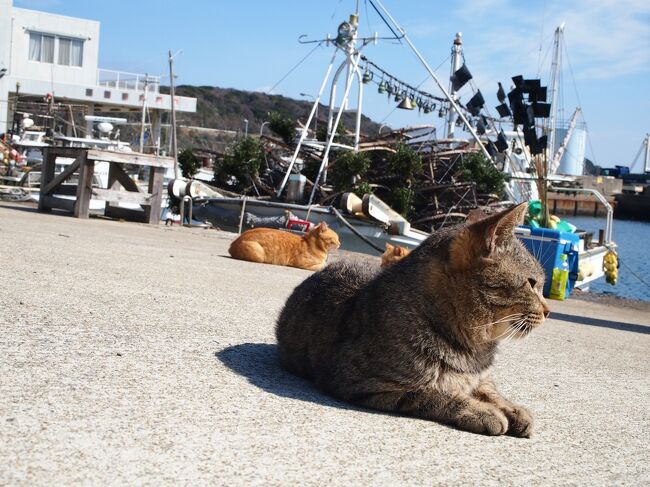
<point>242,161</point>
<point>321,133</point>
<point>189,163</point>
<point>475,167</point>
<point>405,162</point>
<point>283,126</point>
<point>363,188</point>
<point>349,165</point>
<point>402,200</point>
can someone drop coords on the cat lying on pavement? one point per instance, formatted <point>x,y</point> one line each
<point>419,337</point>
<point>271,246</point>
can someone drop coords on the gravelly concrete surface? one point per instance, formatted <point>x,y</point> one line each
<point>132,354</point>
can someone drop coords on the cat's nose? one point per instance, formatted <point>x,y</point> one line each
<point>545,309</point>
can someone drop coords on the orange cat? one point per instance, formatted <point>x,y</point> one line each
<point>270,246</point>
<point>394,253</point>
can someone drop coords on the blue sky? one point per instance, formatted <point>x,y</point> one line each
<point>252,44</point>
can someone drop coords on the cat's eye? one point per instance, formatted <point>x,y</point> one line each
<point>532,282</point>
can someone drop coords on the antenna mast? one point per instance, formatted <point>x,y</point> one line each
<point>555,80</point>
<point>456,58</point>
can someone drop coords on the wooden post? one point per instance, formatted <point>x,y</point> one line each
<point>85,186</point>
<point>152,211</point>
<point>47,175</point>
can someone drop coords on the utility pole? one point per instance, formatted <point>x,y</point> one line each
<point>144,108</point>
<point>172,93</point>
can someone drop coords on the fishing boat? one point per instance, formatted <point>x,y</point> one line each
<point>32,143</point>
<point>365,230</point>
<point>634,201</point>
<point>529,159</point>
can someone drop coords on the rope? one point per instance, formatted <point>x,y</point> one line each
<point>633,273</point>
<point>293,69</point>
<point>372,4</point>
<point>354,230</point>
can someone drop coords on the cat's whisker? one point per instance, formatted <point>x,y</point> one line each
<point>513,332</point>
<point>501,320</point>
<point>518,327</point>
<point>507,330</point>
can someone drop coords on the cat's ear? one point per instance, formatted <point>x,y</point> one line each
<point>389,247</point>
<point>399,251</point>
<point>504,223</point>
<point>322,226</point>
<point>482,238</point>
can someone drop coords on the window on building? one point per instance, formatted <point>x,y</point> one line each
<point>41,47</point>
<point>70,52</point>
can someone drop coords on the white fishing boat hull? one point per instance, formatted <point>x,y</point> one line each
<point>227,213</point>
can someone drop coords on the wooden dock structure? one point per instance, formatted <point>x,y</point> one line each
<point>577,204</point>
<point>121,187</point>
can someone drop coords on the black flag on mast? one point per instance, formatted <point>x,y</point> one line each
<point>460,77</point>
<point>501,94</point>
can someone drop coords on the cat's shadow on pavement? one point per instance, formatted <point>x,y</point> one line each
<point>259,363</point>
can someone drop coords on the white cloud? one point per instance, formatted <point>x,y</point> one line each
<point>605,39</point>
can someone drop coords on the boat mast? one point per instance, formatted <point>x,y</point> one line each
<point>555,80</point>
<point>646,161</point>
<point>305,129</point>
<point>350,63</point>
<point>456,58</point>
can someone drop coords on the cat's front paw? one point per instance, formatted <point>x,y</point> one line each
<point>520,422</point>
<point>488,421</point>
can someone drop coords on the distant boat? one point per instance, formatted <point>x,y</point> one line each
<point>634,201</point>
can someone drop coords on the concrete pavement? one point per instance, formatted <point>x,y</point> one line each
<point>132,354</point>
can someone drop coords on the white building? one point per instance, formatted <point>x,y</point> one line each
<point>43,53</point>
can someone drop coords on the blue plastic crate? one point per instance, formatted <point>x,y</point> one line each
<point>546,246</point>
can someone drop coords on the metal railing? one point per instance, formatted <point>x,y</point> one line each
<point>601,199</point>
<point>127,81</point>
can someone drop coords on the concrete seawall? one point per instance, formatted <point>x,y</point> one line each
<point>134,354</point>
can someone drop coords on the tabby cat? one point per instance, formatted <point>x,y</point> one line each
<point>419,337</point>
<point>393,253</point>
<point>271,246</point>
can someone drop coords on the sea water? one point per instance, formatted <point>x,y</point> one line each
<point>633,241</point>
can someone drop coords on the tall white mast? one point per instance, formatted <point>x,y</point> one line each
<point>646,161</point>
<point>555,80</point>
<point>456,59</point>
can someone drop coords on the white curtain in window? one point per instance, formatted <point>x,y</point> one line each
<point>76,52</point>
<point>64,51</point>
<point>34,46</point>
<point>47,56</point>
